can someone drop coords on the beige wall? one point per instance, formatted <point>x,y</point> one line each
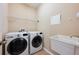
<point>69,23</point>
<point>21,16</point>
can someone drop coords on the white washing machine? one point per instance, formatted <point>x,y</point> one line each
<point>17,43</point>
<point>36,41</point>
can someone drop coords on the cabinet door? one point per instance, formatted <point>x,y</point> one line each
<point>0,45</point>
<point>62,48</point>
<point>76,50</point>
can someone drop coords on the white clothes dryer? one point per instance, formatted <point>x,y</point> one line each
<point>36,41</point>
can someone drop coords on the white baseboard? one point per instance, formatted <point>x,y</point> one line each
<point>48,51</point>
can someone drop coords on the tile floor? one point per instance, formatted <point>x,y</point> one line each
<point>41,52</point>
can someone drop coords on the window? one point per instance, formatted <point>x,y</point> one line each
<point>55,19</point>
<point>77,14</point>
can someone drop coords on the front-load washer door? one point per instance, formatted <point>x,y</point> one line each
<point>17,46</point>
<point>37,41</point>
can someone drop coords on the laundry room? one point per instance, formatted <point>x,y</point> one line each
<point>37,28</point>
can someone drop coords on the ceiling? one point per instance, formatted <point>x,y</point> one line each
<point>33,5</point>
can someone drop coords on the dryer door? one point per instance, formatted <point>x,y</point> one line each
<point>17,46</point>
<point>37,41</point>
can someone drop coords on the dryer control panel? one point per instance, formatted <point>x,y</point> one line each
<point>25,34</point>
<point>41,33</point>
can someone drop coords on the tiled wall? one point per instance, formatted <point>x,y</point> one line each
<point>21,16</point>
<point>15,24</point>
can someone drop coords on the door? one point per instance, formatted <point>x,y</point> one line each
<point>17,46</point>
<point>36,42</point>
